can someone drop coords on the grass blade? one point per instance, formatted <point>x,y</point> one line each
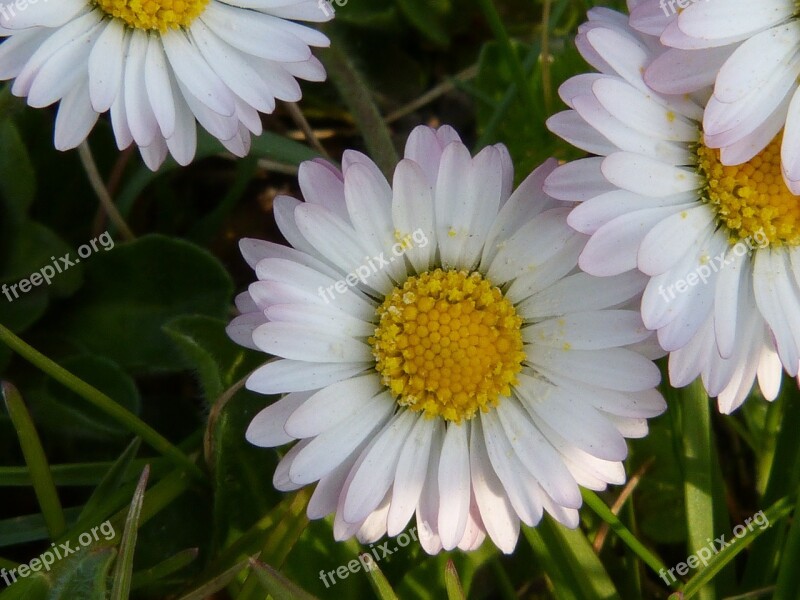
<point>101,401</point>
<point>123,570</point>
<point>212,586</point>
<point>276,584</point>
<point>788,585</point>
<point>594,502</point>
<point>377,579</point>
<point>705,505</point>
<point>773,514</point>
<point>453,583</point>
<point>165,568</point>
<point>113,479</point>
<point>32,450</point>
<point>567,556</point>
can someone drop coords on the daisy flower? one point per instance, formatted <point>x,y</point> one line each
<point>749,53</point>
<point>441,354</point>
<point>721,244</point>
<point>160,66</point>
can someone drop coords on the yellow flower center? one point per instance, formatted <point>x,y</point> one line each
<point>154,14</point>
<point>751,199</point>
<point>448,344</point>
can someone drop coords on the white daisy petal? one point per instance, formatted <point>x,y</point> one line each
<point>498,516</point>
<point>327,450</point>
<point>267,428</point>
<point>412,466</point>
<point>375,473</point>
<point>160,71</point>
<point>454,486</point>
<point>332,405</point>
<point>393,415</point>
<point>702,196</point>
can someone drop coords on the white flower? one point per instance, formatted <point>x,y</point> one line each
<point>441,353</point>
<point>749,52</point>
<point>160,65</point>
<point>721,244</point>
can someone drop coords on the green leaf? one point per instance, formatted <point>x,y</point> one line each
<point>30,588</point>
<point>132,292</point>
<point>784,478</point>
<point>377,14</point>
<point>705,500</point>
<point>503,115</point>
<point>218,361</point>
<point>17,176</point>
<point>85,576</point>
<point>173,564</point>
<point>282,538</point>
<point>215,584</point>
<point>73,474</point>
<point>58,407</point>
<point>28,528</point>
<point>18,314</point>
<point>116,475</point>
<point>242,473</point>
<point>788,586</point>
<point>570,562</point>
<point>781,509</point>
<point>35,459</point>
<point>124,567</point>
<point>78,576</point>
<point>378,580</point>
<point>36,248</point>
<point>453,583</point>
<point>280,148</point>
<point>276,584</point>
<point>426,16</point>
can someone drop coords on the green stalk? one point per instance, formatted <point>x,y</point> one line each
<point>35,458</point>
<point>101,401</point>
<point>784,478</point>
<point>788,585</point>
<point>356,94</point>
<point>594,502</point>
<point>703,503</point>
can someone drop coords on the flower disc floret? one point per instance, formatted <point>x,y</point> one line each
<point>448,344</point>
<point>158,15</point>
<point>752,199</point>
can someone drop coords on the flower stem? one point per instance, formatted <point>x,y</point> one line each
<point>101,401</point>
<point>357,96</point>
<point>594,502</point>
<point>100,189</point>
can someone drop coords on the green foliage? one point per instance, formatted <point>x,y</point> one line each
<point>136,371</point>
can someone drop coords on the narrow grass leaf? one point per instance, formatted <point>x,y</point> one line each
<point>781,509</point>
<point>113,479</point>
<point>453,583</point>
<point>377,579</point>
<point>164,569</point>
<point>32,450</point>
<point>123,570</point>
<point>276,584</point>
